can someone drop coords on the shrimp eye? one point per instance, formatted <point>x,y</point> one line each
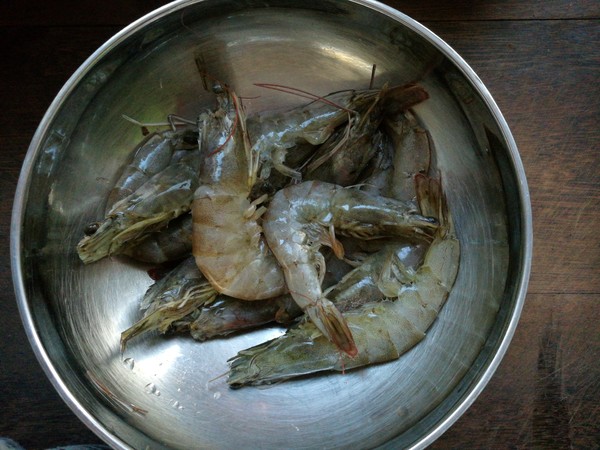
<point>91,228</point>
<point>217,88</point>
<point>190,138</point>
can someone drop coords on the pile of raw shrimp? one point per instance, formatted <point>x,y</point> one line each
<point>326,218</point>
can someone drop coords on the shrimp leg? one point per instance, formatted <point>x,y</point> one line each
<point>382,331</point>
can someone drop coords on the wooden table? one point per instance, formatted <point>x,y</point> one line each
<point>541,62</point>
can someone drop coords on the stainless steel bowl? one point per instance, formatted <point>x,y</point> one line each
<point>74,314</point>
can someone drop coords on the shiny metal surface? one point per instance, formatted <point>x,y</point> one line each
<point>74,314</point>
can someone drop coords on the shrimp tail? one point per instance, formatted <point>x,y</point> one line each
<point>330,321</point>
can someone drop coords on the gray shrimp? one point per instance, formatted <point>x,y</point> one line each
<point>382,331</point>
<point>351,148</point>
<point>305,216</point>
<point>163,197</point>
<point>168,302</point>
<point>152,155</point>
<point>182,291</point>
<point>274,134</point>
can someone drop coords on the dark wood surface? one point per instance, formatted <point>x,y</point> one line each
<point>541,62</point>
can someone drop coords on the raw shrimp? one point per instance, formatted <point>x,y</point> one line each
<point>349,150</point>
<point>152,155</point>
<point>184,300</point>
<point>407,153</point>
<point>168,302</point>
<point>382,331</point>
<point>274,134</point>
<point>163,197</point>
<point>170,299</point>
<point>169,244</point>
<point>227,239</point>
<point>412,154</point>
<point>361,285</point>
<point>305,216</point>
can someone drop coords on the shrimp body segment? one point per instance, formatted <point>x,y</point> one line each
<point>382,331</point>
<point>229,246</point>
<point>305,216</point>
<point>169,244</point>
<point>152,155</point>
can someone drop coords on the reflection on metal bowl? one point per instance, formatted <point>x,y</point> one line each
<point>168,393</point>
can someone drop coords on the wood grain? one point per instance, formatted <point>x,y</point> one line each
<point>94,13</point>
<point>540,60</point>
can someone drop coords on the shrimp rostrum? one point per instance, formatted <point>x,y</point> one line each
<point>382,331</point>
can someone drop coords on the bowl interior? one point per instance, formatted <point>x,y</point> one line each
<point>148,71</point>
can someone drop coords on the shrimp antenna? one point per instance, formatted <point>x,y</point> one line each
<point>372,76</point>
<point>224,374</point>
<point>173,121</point>
<point>200,65</point>
<point>204,75</point>
<point>303,94</point>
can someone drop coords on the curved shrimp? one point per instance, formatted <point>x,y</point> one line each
<point>382,331</point>
<point>227,237</point>
<point>181,301</point>
<point>305,216</point>
<point>227,240</point>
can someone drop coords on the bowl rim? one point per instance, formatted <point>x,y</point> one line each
<point>20,200</point>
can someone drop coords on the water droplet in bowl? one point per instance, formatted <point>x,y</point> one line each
<point>129,363</point>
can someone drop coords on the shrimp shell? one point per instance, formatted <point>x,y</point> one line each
<point>152,155</point>
<point>229,247</point>
<point>349,150</point>
<point>169,244</point>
